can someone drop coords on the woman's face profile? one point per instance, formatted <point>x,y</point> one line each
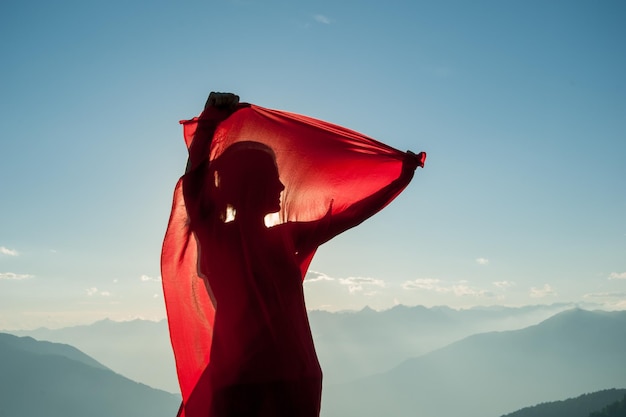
<point>249,182</point>
<point>274,188</point>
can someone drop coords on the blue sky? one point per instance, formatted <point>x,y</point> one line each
<point>521,107</point>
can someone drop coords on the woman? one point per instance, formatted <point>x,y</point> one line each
<point>262,359</point>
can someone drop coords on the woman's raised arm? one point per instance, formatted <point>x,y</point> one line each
<point>217,109</point>
<point>313,234</point>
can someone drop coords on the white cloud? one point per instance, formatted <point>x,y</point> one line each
<point>431,284</point>
<point>504,284</point>
<point>94,291</point>
<point>8,252</point>
<point>615,300</point>
<point>328,307</point>
<point>320,18</point>
<point>611,295</point>
<point>357,284</point>
<point>617,275</point>
<point>482,261</point>
<point>146,278</point>
<point>460,289</point>
<point>314,276</point>
<point>545,291</point>
<point>14,276</point>
<point>464,291</point>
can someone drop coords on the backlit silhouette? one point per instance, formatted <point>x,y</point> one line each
<point>257,355</point>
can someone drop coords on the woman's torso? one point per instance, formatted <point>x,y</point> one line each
<point>261,330</point>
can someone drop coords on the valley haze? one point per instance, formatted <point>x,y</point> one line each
<point>404,361</point>
<point>350,344</point>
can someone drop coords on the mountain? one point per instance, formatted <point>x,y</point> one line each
<point>489,374</point>
<point>55,380</point>
<point>580,406</point>
<point>137,349</point>
<point>349,344</point>
<point>352,345</point>
<point>616,409</point>
<point>28,344</point>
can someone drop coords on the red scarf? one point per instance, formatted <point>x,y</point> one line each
<point>327,171</point>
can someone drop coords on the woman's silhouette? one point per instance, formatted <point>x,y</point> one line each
<point>262,358</point>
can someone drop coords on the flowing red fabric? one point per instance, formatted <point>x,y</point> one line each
<point>333,179</point>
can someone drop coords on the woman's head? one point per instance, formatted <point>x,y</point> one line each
<point>246,179</point>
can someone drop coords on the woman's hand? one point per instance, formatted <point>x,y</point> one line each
<point>223,101</point>
<point>410,163</point>
<point>218,107</point>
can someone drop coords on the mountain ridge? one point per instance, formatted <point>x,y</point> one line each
<point>29,344</point>
<point>350,344</point>
<point>491,373</point>
<point>42,378</point>
<point>581,406</point>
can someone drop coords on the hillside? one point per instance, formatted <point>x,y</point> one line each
<point>28,344</point>
<point>349,344</point>
<point>581,406</point>
<point>616,409</point>
<point>353,345</point>
<point>54,380</point>
<point>490,374</point>
<point>138,349</point>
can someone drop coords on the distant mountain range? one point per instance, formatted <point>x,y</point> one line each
<point>349,344</point>
<point>581,406</point>
<point>489,374</point>
<point>138,349</point>
<point>352,345</point>
<point>55,380</point>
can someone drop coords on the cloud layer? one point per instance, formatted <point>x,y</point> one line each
<point>320,18</point>
<point>358,284</point>
<point>147,278</point>
<point>14,276</point>
<point>459,289</point>
<point>314,276</point>
<point>545,291</point>
<point>95,291</point>
<point>8,252</point>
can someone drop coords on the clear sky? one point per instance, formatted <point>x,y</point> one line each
<point>521,106</point>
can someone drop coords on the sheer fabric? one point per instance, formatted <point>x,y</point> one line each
<point>263,189</point>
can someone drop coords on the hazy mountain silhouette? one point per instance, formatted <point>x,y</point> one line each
<point>489,374</point>
<point>54,380</point>
<point>352,345</point>
<point>580,406</point>
<point>28,344</point>
<point>349,344</point>
<point>137,349</point>
<point>616,409</point>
